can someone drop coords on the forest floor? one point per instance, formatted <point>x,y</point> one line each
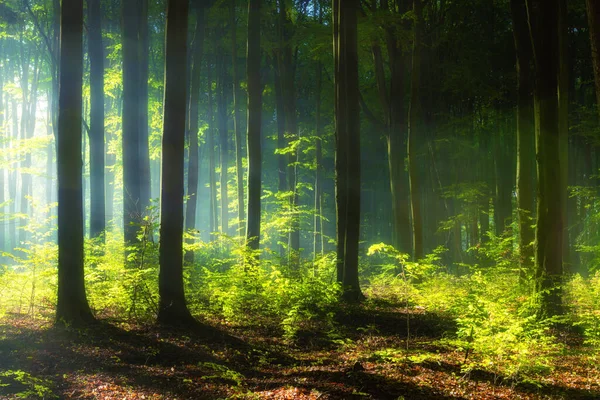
<point>367,358</point>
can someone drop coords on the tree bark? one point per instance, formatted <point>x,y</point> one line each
<point>525,135</point>
<point>347,155</point>
<point>254,125</point>
<point>96,134</point>
<point>543,18</point>
<point>236,123</point>
<point>172,305</point>
<point>132,210</point>
<point>144,149</point>
<point>72,306</point>
<point>193,164</point>
<point>414,131</point>
<point>593,15</point>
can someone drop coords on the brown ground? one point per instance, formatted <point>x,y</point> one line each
<point>368,360</point>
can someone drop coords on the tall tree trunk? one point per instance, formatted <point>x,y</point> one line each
<point>28,117</point>
<point>3,137</point>
<point>543,18</point>
<point>223,142</point>
<point>236,122</point>
<point>414,131</point>
<point>192,187</point>
<point>318,220</point>
<point>347,157</point>
<point>12,179</point>
<point>212,165</point>
<point>287,70</point>
<point>254,125</point>
<point>131,123</point>
<point>144,149</point>
<point>563,120</point>
<point>593,15</point>
<point>525,134</point>
<point>172,306</point>
<point>72,306</point>
<point>97,202</point>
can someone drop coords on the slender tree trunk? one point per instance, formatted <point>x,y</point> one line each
<point>172,306</point>
<point>543,18</point>
<point>593,15</point>
<point>2,172</point>
<point>254,125</point>
<point>223,142</point>
<point>28,117</point>
<point>525,135</point>
<point>193,165</point>
<point>414,131</point>
<point>318,221</point>
<point>72,306</point>
<point>145,179</point>
<point>132,210</point>
<point>287,70</point>
<point>212,165</point>
<point>12,179</point>
<point>236,122</point>
<point>97,201</point>
<point>347,158</point>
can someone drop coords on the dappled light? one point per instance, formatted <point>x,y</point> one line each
<point>299,199</point>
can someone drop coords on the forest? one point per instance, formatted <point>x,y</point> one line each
<point>300,199</point>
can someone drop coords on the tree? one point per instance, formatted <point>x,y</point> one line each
<point>543,17</point>
<point>197,47</point>
<point>593,15</point>
<point>96,134</point>
<point>347,146</point>
<point>131,129</point>
<point>254,125</point>
<point>72,305</point>
<point>172,306</point>
<point>414,122</point>
<point>236,121</point>
<point>525,133</point>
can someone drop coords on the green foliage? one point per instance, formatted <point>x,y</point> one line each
<point>584,297</point>
<point>31,386</point>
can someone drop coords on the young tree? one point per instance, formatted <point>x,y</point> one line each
<point>72,305</point>
<point>96,134</point>
<point>172,306</point>
<point>347,147</point>
<point>254,125</point>
<point>543,17</point>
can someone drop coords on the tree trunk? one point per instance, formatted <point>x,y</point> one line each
<point>347,155</point>
<point>144,150</point>
<point>236,122</point>
<point>131,130</point>
<point>172,306</point>
<point>254,125</point>
<point>525,135</point>
<point>214,215</point>
<point>414,131</point>
<point>543,21</point>
<point>223,141</point>
<point>97,216</point>
<point>72,306</point>
<point>287,70</point>
<point>192,187</point>
<point>593,15</point>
